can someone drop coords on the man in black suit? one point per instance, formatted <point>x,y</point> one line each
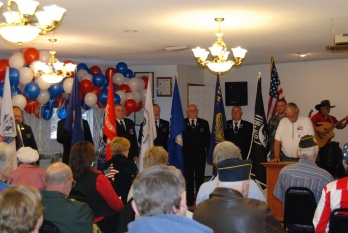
<point>64,137</point>
<point>239,131</point>
<point>196,139</point>
<point>25,136</point>
<point>162,127</point>
<point>125,128</point>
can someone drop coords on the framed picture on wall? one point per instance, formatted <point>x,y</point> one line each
<point>164,86</point>
<point>146,75</point>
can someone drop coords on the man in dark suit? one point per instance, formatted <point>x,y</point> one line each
<point>64,137</point>
<point>239,131</point>
<point>125,128</point>
<point>196,139</point>
<point>162,127</point>
<point>25,136</point>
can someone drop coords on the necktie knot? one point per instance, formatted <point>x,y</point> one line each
<point>236,127</point>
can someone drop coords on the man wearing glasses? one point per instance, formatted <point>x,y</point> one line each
<point>68,215</point>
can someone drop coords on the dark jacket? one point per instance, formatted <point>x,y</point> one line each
<point>162,134</point>
<point>126,171</point>
<point>242,139</point>
<point>131,135</point>
<point>27,136</point>
<point>228,211</point>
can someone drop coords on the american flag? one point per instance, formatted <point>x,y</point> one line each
<point>275,91</point>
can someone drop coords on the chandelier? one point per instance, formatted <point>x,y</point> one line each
<point>20,28</point>
<point>53,71</point>
<point>220,54</point>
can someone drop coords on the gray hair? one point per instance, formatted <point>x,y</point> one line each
<point>58,173</point>
<point>291,107</point>
<point>307,153</point>
<point>225,150</point>
<point>7,154</point>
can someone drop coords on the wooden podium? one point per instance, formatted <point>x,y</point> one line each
<point>273,170</point>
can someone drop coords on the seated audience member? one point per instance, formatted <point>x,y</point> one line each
<point>304,173</point>
<point>27,172</point>
<point>160,202</point>
<point>119,168</point>
<point>69,216</point>
<point>21,210</point>
<point>101,197</point>
<point>223,151</point>
<point>229,210</point>
<point>153,156</point>
<point>7,162</point>
<point>335,195</point>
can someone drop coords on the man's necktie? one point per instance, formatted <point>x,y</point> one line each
<point>19,138</point>
<point>192,124</point>
<point>236,127</point>
<point>156,125</point>
<point>123,126</point>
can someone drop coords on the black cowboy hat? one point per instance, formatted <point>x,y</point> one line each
<point>323,103</point>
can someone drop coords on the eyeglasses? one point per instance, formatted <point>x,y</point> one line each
<point>73,183</point>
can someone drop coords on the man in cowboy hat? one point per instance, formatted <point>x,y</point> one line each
<point>326,155</point>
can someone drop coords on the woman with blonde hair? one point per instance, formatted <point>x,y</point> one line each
<point>119,168</point>
<point>21,210</point>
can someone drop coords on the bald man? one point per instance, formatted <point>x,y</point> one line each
<point>68,215</point>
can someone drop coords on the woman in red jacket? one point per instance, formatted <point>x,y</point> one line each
<point>100,195</point>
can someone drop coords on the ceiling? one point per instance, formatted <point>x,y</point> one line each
<point>95,32</point>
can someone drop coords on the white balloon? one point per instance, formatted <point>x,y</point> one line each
<point>18,54</point>
<point>26,75</point>
<point>16,61</point>
<point>44,56</point>
<point>143,95</point>
<point>129,96</point>
<point>91,99</point>
<point>67,85</point>
<point>141,85</point>
<point>88,77</point>
<point>80,74</point>
<point>137,96</point>
<point>42,83</point>
<point>19,100</point>
<point>118,78</point>
<point>43,97</point>
<point>133,84</point>
<point>122,95</point>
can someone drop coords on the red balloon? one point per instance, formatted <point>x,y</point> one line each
<point>139,106</point>
<point>37,112</point>
<point>127,114</point>
<point>109,72</point>
<point>146,80</point>
<point>95,70</point>
<point>117,87</point>
<point>31,106</point>
<point>125,88</point>
<point>30,55</point>
<point>69,61</point>
<point>2,71</point>
<point>100,105</point>
<point>129,106</point>
<point>5,61</point>
<point>96,90</point>
<point>86,86</point>
<point>60,101</point>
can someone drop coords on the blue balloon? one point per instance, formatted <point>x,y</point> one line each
<point>82,66</point>
<point>106,87</point>
<point>129,74</point>
<point>50,104</point>
<point>84,105</point>
<point>14,77</point>
<point>62,112</point>
<point>117,99</point>
<point>46,113</point>
<point>122,68</point>
<point>103,96</point>
<point>32,90</point>
<point>55,90</point>
<point>15,91</point>
<point>98,80</point>
<point>2,89</point>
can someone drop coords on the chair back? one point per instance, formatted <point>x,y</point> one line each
<point>299,206</point>
<point>48,227</point>
<point>338,220</point>
<point>78,195</point>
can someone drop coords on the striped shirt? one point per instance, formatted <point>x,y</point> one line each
<point>305,173</point>
<point>335,195</point>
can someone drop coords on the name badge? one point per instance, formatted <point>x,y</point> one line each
<point>28,135</point>
<point>131,131</point>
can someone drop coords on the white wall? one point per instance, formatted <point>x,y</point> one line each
<point>304,83</point>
